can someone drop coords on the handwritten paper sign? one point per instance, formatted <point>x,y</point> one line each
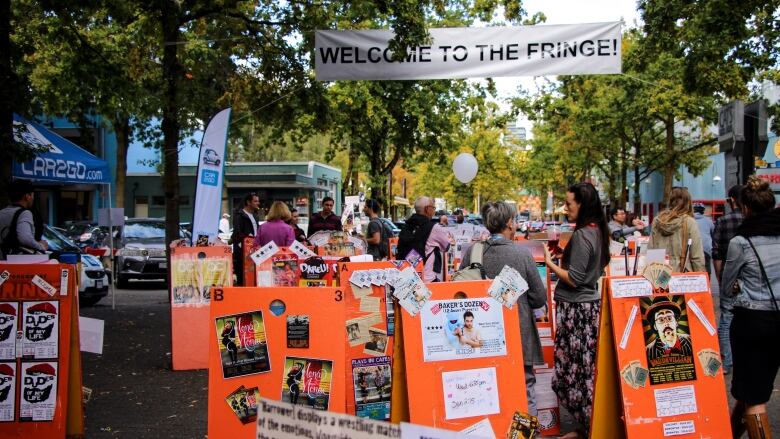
<point>688,283</point>
<point>469,393</point>
<point>636,287</point>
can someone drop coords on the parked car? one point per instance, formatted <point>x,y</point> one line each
<point>93,277</point>
<point>142,250</point>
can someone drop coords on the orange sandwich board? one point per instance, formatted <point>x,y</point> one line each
<point>194,270</point>
<point>668,359</point>
<point>453,383</point>
<point>39,349</point>
<point>277,343</point>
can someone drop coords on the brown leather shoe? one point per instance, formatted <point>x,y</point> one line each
<point>757,425</point>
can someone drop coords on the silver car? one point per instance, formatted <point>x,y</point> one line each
<point>142,251</point>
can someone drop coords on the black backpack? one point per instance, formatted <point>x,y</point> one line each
<point>10,239</point>
<point>414,235</point>
<point>385,232</point>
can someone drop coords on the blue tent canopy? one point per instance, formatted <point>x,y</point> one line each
<point>64,162</point>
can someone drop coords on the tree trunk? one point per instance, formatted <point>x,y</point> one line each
<point>122,130</point>
<point>637,181</point>
<point>623,176</point>
<point>6,100</point>
<point>671,163</point>
<point>170,121</point>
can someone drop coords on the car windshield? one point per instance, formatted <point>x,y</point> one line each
<point>57,242</point>
<point>145,230</point>
<point>78,229</point>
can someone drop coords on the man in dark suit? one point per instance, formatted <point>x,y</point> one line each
<point>244,226</point>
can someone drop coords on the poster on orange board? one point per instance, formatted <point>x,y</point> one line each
<point>310,374</point>
<point>666,343</point>
<point>455,394</point>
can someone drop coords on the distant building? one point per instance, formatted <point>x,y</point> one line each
<point>517,132</point>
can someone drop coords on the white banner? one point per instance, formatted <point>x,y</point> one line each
<point>211,169</point>
<point>565,49</point>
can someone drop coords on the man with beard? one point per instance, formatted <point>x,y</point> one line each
<point>7,318</point>
<point>663,316</point>
<point>6,383</point>
<point>326,219</point>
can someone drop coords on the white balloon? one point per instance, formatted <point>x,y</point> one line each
<point>465,167</point>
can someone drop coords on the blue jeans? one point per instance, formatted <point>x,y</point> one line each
<point>724,324</point>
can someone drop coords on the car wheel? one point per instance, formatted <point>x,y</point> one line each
<point>217,163</point>
<point>88,301</point>
<point>122,282</point>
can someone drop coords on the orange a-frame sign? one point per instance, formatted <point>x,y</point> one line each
<point>193,271</point>
<point>43,380</point>
<point>668,359</point>
<point>265,321</point>
<point>441,390</point>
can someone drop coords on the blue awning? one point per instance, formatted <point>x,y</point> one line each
<point>64,162</point>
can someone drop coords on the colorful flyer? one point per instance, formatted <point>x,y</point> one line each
<point>7,391</point>
<point>297,331</point>
<point>214,272</point>
<point>285,269</point>
<point>243,402</point>
<point>372,378</point>
<point>41,330</point>
<point>668,343</point>
<point>242,344</point>
<point>314,272</point>
<point>462,328</point>
<point>389,310</point>
<point>306,382</point>
<point>39,391</point>
<point>184,280</point>
<point>8,324</point>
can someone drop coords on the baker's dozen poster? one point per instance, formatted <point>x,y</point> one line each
<point>462,328</point>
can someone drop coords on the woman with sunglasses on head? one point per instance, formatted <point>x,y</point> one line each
<point>751,275</point>
<point>672,230</point>
<point>578,303</point>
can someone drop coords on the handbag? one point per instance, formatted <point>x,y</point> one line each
<point>475,270</point>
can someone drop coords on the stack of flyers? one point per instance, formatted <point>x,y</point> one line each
<point>507,287</point>
<point>710,362</point>
<point>411,292</point>
<point>243,402</point>
<point>634,374</point>
<point>658,274</point>
<point>523,426</point>
<point>366,278</point>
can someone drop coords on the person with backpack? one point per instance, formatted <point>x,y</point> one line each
<point>377,232</point>
<point>428,239</point>
<point>17,225</point>
<point>499,251</point>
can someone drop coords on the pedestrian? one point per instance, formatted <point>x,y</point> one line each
<point>500,251</point>
<point>326,219</point>
<point>578,303</point>
<point>300,235</point>
<point>275,228</point>
<point>725,229</point>
<point>17,222</point>
<point>706,227</point>
<point>618,226</point>
<point>751,275</point>
<point>244,226</point>
<point>428,239</point>
<point>673,228</point>
<point>377,234</point>
<point>224,223</point>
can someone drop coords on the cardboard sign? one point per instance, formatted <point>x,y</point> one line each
<point>668,359</point>
<point>437,399</point>
<point>194,272</point>
<point>311,377</point>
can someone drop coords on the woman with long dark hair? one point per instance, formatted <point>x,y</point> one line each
<point>578,303</point>
<point>751,275</point>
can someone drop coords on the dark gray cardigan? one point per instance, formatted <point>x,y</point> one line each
<point>501,252</point>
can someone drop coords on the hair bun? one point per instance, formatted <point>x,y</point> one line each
<point>756,184</point>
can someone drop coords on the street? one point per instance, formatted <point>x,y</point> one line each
<point>134,391</point>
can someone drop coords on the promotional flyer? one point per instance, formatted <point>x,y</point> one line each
<point>242,344</point>
<point>39,391</point>
<point>8,324</point>
<point>462,328</point>
<point>306,382</point>
<point>372,379</point>
<point>41,335</point>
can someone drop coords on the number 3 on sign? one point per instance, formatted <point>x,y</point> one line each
<point>339,296</point>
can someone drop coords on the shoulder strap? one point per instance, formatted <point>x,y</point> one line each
<point>763,274</point>
<point>684,253</point>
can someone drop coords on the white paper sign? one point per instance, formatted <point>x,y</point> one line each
<point>45,286</point>
<point>656,255</point>
<point>264,253</point>
<point>700,315</point>
<point>566,49</point>
<point>41,330</point>
<point>679,428</point>
<point>91,335</point>
<point>675,401</point>
<point>64,282</point>
<point>481,429</point>
<point>301,250</point>
<point>688,283</point>
<point>8,326</point>
<point>411,292</point>
<point>469,393</point>
<point>38,391</point>
<point>637,287</point>
<point>462,328</point>
<point>7,391</point>
<point>629,325</point>
<point>412,431</point>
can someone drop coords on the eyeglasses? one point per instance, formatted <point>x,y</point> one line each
<point>664,319</point>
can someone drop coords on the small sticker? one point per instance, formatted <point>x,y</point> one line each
<point>64,282</point>
<point>4,276</point>
<point>679,428</point>
<point>45,286</point>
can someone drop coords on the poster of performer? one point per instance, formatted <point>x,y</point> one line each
<point>372,380</point>
<point>7,392</point>
<point>668,343</point>
<point>41,329</point>
<point>39,391</point>
<point>184,280</point>
<point>242,344</point>
<point>8,322</point>
<point>306,382</point>
<point>285,269</point>
<point>462,328</point>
